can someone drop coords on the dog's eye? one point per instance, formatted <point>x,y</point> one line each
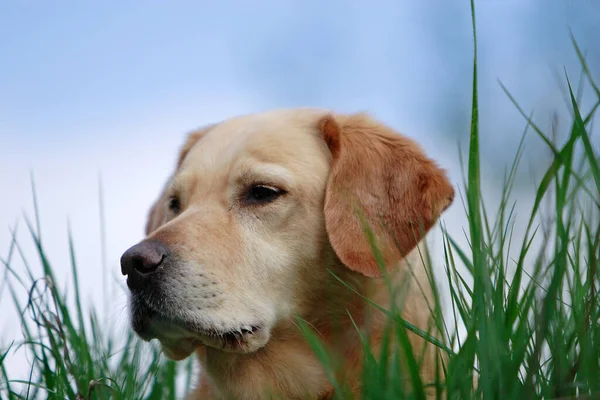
<point>174,205</point>
<point>262,194</point>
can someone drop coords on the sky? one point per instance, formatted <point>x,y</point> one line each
<point>107,90</point>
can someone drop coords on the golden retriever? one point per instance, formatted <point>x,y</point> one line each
<point>262,218</point>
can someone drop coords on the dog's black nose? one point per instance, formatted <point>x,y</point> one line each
<point>144,258</point>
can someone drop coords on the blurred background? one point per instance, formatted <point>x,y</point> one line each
<point>106,91</point>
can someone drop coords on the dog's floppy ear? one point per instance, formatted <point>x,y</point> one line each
<point>157,215</point>
<point>385,178</point>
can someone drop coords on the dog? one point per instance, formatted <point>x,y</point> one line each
<point>270,219</point>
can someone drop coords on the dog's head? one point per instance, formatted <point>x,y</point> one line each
<point>240,233</point>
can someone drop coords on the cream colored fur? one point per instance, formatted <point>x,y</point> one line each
<point>263,265</point>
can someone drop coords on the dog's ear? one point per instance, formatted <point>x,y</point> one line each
<point>385,180</point>
<point>157,215</point>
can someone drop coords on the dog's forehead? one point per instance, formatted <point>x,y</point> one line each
<point>275,136</point>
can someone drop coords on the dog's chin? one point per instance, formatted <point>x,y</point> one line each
<point>178,349</point>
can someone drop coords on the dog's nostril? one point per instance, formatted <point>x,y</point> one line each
<point>145,265</point>
<point>144,257</point>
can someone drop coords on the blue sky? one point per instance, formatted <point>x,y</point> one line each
<point>110,88</point>
<point>71,65</point>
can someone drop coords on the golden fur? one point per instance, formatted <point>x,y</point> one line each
<point>265,264</point>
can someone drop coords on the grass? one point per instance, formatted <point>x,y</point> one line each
<point>74,354</point>
<point>524,314</point>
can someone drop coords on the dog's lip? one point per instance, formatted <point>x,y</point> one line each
<point>234,338</point>
<point>241,331</point>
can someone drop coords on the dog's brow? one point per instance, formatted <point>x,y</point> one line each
<point>184,180</point>
<point>269,172</point>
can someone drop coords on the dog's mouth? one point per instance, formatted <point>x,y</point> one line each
<point>241,340</point>
<point>236,341</point>
<point>180,338</point>
<point>234,336</point>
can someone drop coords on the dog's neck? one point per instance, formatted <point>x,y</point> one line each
<point>287,364</point>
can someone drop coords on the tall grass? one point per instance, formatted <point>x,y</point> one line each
<point>532,321</point>
<point>530,309</point>
<point>74,354</point>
